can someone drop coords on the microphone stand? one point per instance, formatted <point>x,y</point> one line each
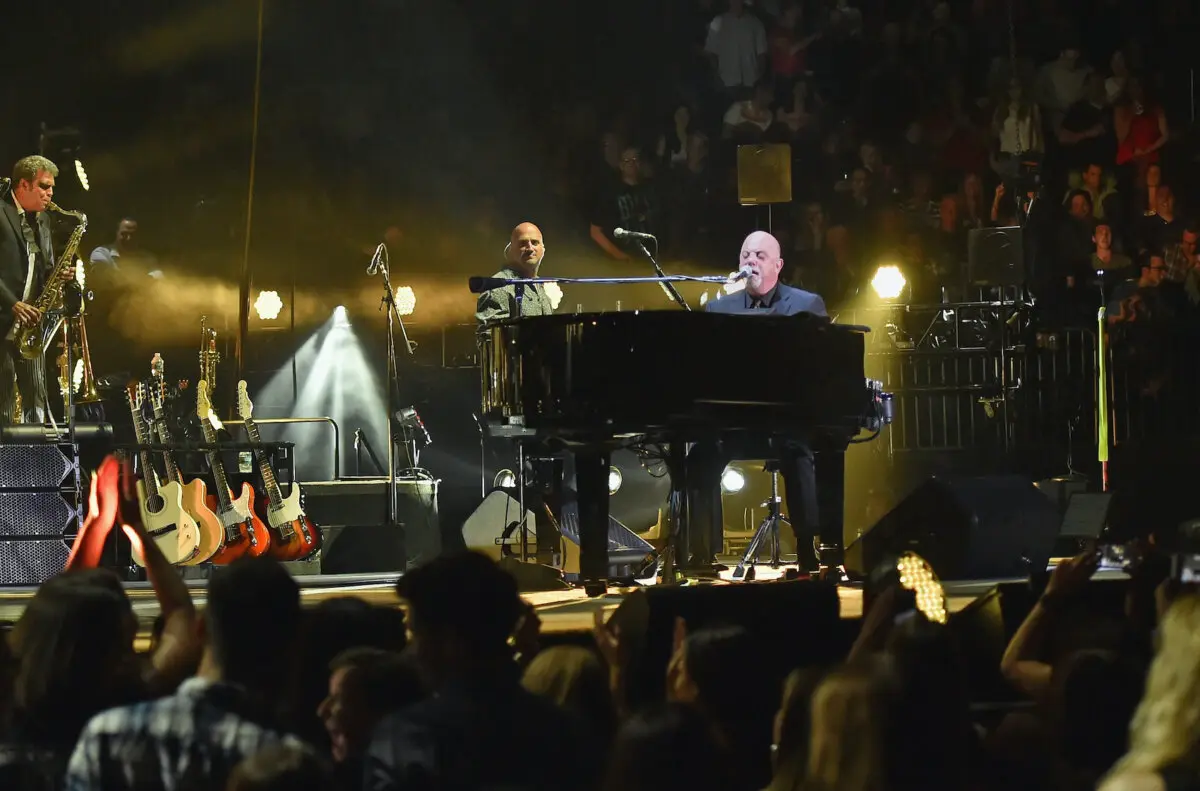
<point>667,285</point>
<point>379,264</point>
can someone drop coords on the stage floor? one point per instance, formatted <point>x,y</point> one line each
<point>560,611</point>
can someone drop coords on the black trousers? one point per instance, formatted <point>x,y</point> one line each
<point>705,463</point>
<point>28,377</point>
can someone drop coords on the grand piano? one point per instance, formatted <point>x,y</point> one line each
<point>592,382</point>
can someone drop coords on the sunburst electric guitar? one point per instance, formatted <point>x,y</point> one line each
<point>245,533</point>
<point>161,507</point>
<point>195,491</point>
<point>293,535</point>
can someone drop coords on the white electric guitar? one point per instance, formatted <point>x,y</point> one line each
<point>161,505</point>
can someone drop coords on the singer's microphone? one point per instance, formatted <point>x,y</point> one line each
<point>373,267</point>
<point>621,233</point>
<point>741,274</point>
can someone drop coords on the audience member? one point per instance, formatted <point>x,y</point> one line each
<point>194,738</point>
<point>480,720</point>
<point>669,746</point>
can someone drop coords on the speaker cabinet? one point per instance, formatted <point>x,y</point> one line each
<point>352,515</point>
<point>496,529</point>
<point>996,256</point>
<point>991,527</point>
<point>795,623</point>
<point>38,512</point>
<point>764,174</point>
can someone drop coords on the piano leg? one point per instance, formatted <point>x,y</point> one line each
<point>831,503</point>
<point>591,481</point>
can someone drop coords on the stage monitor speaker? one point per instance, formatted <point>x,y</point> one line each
<point>795,622</point>
<point>991,527</point>
<point>352,515</point>
<point>995,256</point>
<point>764,174</point>
<point>495,529</point>
<point>497,526</point>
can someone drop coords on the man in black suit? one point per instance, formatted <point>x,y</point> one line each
<point>26,257</point>
<point>764,295</point>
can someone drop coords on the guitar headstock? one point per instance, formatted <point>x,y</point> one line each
<point>135,395</point>
<point>245,406</point>
<point>203,404</point>
<point>158,385</point>
<point>204,408</point>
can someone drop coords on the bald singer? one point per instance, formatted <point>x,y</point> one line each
<point>764,295</point>
<point>523,257</point>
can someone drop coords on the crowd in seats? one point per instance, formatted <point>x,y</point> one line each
<point>458,690</point>
<point>463,697</point>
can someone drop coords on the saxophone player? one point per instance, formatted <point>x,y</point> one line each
<point>26,258</point>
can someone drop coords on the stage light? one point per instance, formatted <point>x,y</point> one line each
<point>704,299</point>
<point>888,281</point>
<point>736,285</point>
<point>268,305</point>
<point>732,480</point>
<point>406,300</point>
<point>917,576</point>
<point>614,480</point>
<point>555,293</point>
<point>82,174</point>
<point>341,317</point>
<point>505,479</point>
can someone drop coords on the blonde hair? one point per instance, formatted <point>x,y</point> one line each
<point>1166,726</point>
<point>576,680</point>
<point>851,725</point>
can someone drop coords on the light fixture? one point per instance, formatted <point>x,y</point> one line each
<point>734,286</point>
<point>505,479</point>
<point>614,480</point>
<point>82,174</point>
<point>406,300</point>
<point>917,575</point>
<point>267,305</point>
<point>555,293</point>
<point>341,317</point>
<point>704,299</point>
<point>888,282</point>
<point>732,480</point>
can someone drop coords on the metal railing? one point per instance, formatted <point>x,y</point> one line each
<point>337,434</point>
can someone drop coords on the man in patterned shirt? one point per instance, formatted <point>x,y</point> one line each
<point>194,738</point>
<point>522,259</point>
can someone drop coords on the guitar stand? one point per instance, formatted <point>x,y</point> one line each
<point>768,529</point>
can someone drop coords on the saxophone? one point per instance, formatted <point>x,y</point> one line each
<point>32,340</point>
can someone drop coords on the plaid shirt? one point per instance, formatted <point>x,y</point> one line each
<point>191,740</point>
<point>1178,263</point>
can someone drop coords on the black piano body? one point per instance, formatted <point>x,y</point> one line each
<point>595,381</point>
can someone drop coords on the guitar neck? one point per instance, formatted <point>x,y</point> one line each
<point>216,465</point>
<point>164,436</point>
<point>140,433</point>
<point>264,464</point>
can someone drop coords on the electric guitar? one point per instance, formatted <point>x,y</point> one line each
<point>161,507</point>
<point>293,535</point>
<point>195,492</point>
<point>244,532</point>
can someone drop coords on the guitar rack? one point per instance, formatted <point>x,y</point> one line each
<point>278,450</point>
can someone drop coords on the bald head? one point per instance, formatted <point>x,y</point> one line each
<point>760,255</point>
<point>526,248</point>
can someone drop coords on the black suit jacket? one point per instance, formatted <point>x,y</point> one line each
<point>788,302</point>
<point>14,260</point>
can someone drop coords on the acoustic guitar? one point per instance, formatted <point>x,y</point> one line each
<point>245,533</point>
<point>195,492</point>
<point>293,535</point>
<point>161,506</point>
